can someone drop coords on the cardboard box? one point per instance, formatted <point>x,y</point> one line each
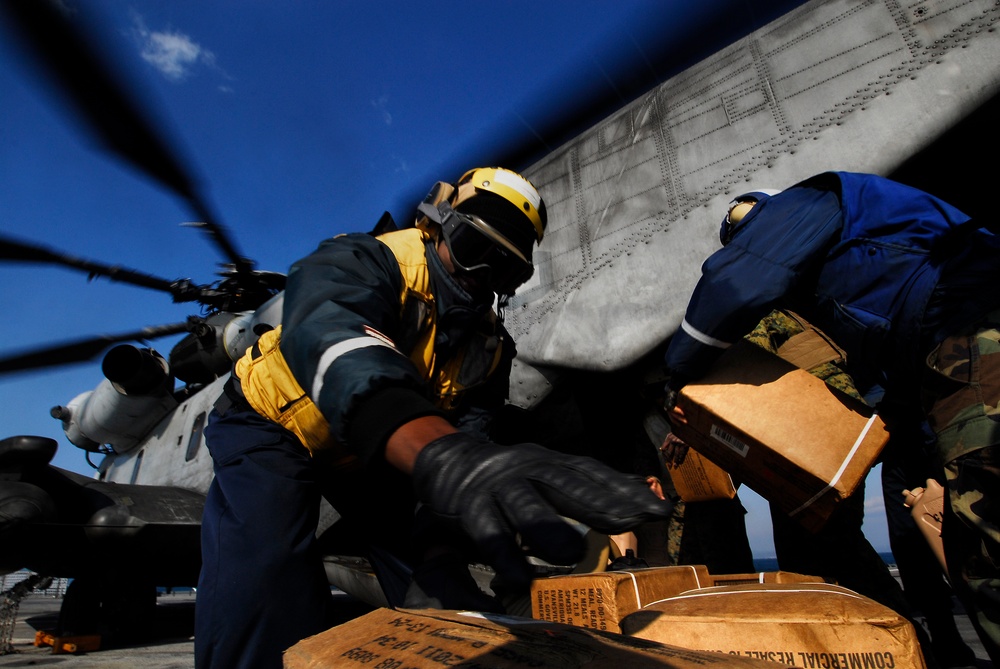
<point>798,442</point>
<point>428,639</point>
<point>602,599</point>
<point>802,625</point>
<point>698,479</point>
<point>765,577</point>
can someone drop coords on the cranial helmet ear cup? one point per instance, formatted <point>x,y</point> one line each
<point>440,192</point>
<point>739,207</point>
<point>737,213</point>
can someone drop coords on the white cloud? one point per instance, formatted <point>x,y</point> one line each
<point>171,52</point>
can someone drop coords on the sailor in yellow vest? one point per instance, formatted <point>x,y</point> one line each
<point>386,342</point>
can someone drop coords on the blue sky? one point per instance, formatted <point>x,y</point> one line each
<point>302,119</point>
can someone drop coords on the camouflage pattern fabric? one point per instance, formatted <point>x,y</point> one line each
<point>661,541</point>
<point>971,533</point>
<point>676,530</point>
<point>778,327</point>
<point>965,387</point>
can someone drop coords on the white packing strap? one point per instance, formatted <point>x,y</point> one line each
<point>712,592</point>
<point>843,465</point>
<point>635,584</point>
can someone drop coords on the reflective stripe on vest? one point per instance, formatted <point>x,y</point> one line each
<point>272,390</point>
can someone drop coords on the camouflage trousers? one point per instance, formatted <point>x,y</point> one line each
<point>965,415</point>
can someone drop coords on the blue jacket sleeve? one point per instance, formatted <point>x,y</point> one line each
<point>774,255</point>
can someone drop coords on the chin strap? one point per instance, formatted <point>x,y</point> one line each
<point>502,301</point>
<point>427,211</point>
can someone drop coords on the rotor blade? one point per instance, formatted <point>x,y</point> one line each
<point>182,290</point>
<point>59,44</point>
<point>82,350</point>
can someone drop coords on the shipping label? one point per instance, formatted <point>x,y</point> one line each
<point>730,440</point>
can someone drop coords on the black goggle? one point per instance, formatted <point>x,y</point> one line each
<point>477,248</point>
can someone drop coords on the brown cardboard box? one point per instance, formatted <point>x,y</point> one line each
<point>427,639</point>
<point>803,625</point>
<point>602,599</point>
<point>791,437</point>
<point>698,479</point>
<point>765,577</point>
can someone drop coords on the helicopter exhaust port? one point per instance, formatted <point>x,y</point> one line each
<point>125,406</point>
<point>135,371</point>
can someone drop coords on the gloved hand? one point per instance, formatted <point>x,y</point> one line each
<point>674,450</point>
<point>494,493</point>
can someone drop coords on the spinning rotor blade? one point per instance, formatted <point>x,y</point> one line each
<point>182,290</point>
<point>55,40</point>
<point>84,349</point>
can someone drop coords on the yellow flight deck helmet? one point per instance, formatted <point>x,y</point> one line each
<point>490,219</point>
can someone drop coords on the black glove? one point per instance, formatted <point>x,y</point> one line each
<point>495,492</point>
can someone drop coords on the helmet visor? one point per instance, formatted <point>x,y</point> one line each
<point>476,247</point>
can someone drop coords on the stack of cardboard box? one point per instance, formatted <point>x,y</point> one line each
<point>427,639</point>
<point>794,619</point>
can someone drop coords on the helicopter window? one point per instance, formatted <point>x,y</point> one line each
<point>135,470</point>
<point>194,439</point>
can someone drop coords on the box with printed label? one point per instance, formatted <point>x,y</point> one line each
<point>795,440</point>
<point>698,479</point>
<point>600,600</point>
<point>802,625</point>
<point>428,639</point>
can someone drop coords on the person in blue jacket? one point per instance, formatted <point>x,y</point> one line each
<point>907,285</point>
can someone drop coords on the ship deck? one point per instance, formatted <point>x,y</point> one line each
<point>173,644</point>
